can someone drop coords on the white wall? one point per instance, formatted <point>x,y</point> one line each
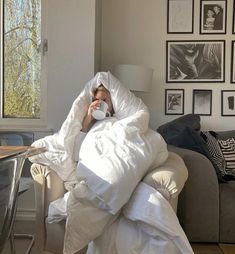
<point>134,32</point>
<point>71,56</point>
<point>71,63</point>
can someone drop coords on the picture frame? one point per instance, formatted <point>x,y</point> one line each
<point>233,21</point>
<point>233,62</point>
<point>213,16</point>
<point>180,16</point>
<point>174,101</point>
<point>202,102</point>
<point>200,61</point>
<point>227,102</point>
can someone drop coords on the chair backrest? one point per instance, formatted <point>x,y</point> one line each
<point>11,139</point>
<point>18,139</point>
<point>10,173</point>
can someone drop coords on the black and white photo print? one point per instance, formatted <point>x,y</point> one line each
<point>174,101</point>
<point>213,17</point>
<point>202,101</point>
<point>228,102</point>
<point>195,61</point>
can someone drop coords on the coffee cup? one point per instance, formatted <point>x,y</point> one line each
<point>101,111</point>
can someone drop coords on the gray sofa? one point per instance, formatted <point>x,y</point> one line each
<point>206,207</point>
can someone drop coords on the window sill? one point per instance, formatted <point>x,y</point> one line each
<point>25,129</point>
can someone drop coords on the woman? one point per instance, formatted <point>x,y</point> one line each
<point>99,94</point>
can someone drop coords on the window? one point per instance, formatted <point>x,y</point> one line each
<point>23,63</point>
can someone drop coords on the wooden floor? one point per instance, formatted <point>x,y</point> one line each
<point>199,248</point>
<point>21,246</point>
<point>213,248</point>
<point>228,248</point>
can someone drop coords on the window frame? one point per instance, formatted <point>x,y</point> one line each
<point>27,124</point>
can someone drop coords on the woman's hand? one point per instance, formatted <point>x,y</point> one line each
<point>88,119</point>
<point>93,106</point>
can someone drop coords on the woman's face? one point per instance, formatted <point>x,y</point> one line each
<point>104,95</point>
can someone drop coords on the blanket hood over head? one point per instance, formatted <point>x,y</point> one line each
<point>130,111</point>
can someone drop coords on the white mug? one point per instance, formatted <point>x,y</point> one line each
<point>101,111</point>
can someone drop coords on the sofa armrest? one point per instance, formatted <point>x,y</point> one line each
<point>49,184</point>
<point>198,207</point>
<point>48,187</point>
<point>169,178</point>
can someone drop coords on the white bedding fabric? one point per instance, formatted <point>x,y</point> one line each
<point>117,160</point>
<point>115,154</point>
<point>148,226</point>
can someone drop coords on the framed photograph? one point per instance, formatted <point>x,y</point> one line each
<point>195,61</point>
<point>213,17</point>
<point>202,102</point>
<point>228,103</point>
<point>174,101</point>
<point>180,16</point>
<point>232,63</point>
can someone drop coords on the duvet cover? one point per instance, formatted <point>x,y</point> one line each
<point>104,185</point>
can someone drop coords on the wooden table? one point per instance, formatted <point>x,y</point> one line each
<point>7,151</point>
<point>11,163</point>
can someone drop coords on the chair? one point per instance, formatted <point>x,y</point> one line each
<point>10,173</point>
<point>10,138</point>
<point>11,170</point>
<point>168,179</point>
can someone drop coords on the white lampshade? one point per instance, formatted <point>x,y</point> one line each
<point>134,77</point>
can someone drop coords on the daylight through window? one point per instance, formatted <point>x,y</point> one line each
<point>21,73</point>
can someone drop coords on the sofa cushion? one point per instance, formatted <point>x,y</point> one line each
<point>227,212</point>
<point>225,134</point>
<point>192,140</point>
<point>174,128</point>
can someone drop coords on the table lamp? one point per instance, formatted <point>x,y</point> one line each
<point>134,77</point>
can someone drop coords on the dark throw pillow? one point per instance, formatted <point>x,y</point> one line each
<point>173,129</point>
<point>190,139</point>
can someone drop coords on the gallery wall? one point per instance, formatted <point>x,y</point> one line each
<point>135,32</point>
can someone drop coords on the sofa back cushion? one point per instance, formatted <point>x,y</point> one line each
<point>225,134</point>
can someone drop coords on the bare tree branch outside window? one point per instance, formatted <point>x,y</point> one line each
<point>22,59</point>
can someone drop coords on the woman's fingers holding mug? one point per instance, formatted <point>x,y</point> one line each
<point>93,106</point>
<point>96,103</point>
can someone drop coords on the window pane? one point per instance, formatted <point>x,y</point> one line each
<point>22,59</point>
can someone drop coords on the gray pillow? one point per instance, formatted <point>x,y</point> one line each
<point>174,128</point>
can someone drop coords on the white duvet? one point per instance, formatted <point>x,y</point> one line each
<point>116,153</point>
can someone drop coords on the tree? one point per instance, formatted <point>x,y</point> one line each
<point>22,58</point>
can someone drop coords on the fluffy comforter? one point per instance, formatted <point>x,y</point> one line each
<point>115,155</point>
